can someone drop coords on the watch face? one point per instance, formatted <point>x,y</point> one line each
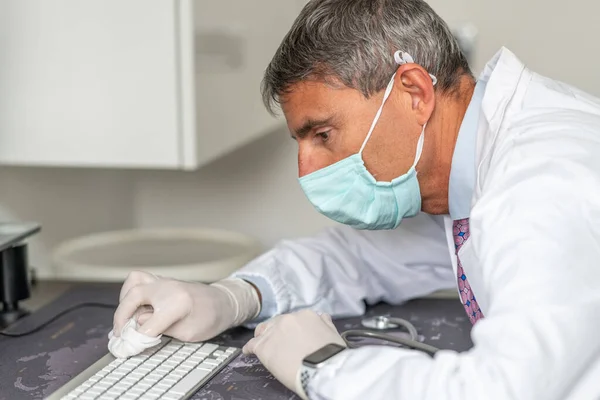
<point>323,354</point>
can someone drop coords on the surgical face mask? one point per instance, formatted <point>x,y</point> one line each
<point>347,193</point>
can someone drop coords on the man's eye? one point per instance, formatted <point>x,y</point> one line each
<point>323,135</point>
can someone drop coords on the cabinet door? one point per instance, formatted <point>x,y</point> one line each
<point>89,83</point>
<point>234,42</point>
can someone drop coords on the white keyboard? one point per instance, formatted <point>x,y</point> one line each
<point>171,370</point>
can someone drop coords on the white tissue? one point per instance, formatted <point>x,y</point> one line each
<point>130,342</point>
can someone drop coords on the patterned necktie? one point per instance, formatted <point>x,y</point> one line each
<point>461,234</point>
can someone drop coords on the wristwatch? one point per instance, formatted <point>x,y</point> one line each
<point>316,360</point>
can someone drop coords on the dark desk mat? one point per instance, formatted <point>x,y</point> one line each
<point>34,366</point>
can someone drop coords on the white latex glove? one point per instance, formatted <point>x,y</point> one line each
<point>282,343</point>
<point>187,311</point>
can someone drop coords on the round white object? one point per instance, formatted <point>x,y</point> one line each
<point>203,255</point>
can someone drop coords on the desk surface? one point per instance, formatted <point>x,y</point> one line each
<point>34,366</point>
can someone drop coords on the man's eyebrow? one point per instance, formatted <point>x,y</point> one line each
<point>309,125</point>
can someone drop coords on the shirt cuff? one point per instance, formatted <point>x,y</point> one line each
<point>268,306</point>
<point>263,273</point>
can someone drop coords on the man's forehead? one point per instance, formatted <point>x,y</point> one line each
<point>304,91</point>
<point>316,96</point>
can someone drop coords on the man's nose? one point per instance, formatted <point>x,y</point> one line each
<point>306,162</point>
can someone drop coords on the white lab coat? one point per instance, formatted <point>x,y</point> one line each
<point>533,261</point>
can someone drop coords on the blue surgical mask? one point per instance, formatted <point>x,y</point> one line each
<point>347,192</point>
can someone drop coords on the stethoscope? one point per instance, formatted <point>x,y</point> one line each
<point>383,323</point>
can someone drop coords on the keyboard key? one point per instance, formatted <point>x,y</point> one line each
<point>122,386</point>
<point>129,380</point>
<point>186,350</point>
<point>136,390</point>
<point>119,373</point>
<point>169,381</point>
<point>86,385</point>
<point>153,362</point>
<point>188,363</point>
<point>144,369</point>
<point>170,363</point>
<point>163,386</point>
<point>104,371</point>
<point>170,396</point>
<point>154,377</point>
<point>94,378</point>
<point>114,392</point>
<point>207,348</point>
<point>189,381</point>
<point>94,391</point>
<point>178,358</point>
<point>196,358</point>
<point>130,364</point>
<point>211,361</point>
<point>145,384</point>
<point>156,390</point>
<point>207,366</point>
<point>163,370</point>
<point>177,374</point>
<point>111,380</point>
<point>102,386</point>
<point>107,396</point>
<point>137,375</point>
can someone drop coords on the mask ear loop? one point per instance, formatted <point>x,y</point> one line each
<point>388,90</point>
<point>401,58</point>
<point>420,144</point>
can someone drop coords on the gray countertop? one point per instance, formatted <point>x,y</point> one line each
<point>33,366</point>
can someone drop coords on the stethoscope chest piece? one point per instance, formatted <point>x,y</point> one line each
<point>379,322</point>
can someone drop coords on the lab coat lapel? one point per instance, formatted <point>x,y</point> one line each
<point>502,74</point>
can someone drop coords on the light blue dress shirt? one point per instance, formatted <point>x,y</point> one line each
<point>463,170</point>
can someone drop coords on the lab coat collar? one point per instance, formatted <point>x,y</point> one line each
<point>502,73</point>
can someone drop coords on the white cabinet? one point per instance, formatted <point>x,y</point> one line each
<point>169,84</point>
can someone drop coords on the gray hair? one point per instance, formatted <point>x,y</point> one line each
<point>353,41</point>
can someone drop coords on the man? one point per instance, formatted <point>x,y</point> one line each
<point>389,122</point>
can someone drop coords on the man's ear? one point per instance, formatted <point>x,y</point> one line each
<point>414,80</point>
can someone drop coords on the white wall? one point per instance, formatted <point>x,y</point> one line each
<point>557,38</point>
<point>66,202</point>
<point>255,190</point>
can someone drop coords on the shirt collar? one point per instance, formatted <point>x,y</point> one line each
<point>463,169</point>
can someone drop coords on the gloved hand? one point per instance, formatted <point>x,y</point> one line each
<point>186,311</point>
<point>282,342</point>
